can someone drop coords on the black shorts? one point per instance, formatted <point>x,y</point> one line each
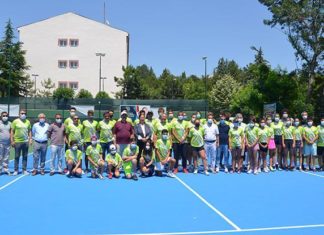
<point>320,151</point>
<point>262,149</point>
<point>298,143</point>
<point>278,140</point>
<point>289,144</point>
<point>197,149</point>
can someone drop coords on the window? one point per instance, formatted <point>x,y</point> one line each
<point>73,85</point>
<point>62,42</point>
<point>62,64</point>
<point>74,42</point>
<point>62,84</point>
<point>74,64</point>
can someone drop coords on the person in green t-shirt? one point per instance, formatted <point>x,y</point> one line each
<point>288,144</point>
<point>21,138</point>
<point>94,156</point>
<point>73,158</point>
<point>277,126</point>
<point>264,140</point>
<point>130,160</point>
<point>236,144</point>
<point>89,130</point>
<point>105,128</point>
<point>114,162</point>
<point>74,132</point>
<point>251,140</point>
<point>310,135</point>
<point>147,159</point>
<point>160,125</point>
<point>320,144</point>
<point>298,150</point>
<point>163,154</point>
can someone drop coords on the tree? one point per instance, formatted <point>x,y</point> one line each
<point>48,85</point>
<point>102,95</point>
<point>222,93</point>
<point>302,21</point>
<point>227,67</point>
<point>63,93</point>
<point>12,65</point>
<point>194,88</point>
<point>129,84</point>
<point>29,90</point>
<point>84,94</point>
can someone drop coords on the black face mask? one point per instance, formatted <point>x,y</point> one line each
<point>197,124</point>
<point>111,115</point>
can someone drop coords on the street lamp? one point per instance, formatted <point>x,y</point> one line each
<point>205,59</point>
<point>100,55</point>
<point>35,76</point>
<point>103,83</point>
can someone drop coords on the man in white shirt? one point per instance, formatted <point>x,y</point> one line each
<point>211,138</point>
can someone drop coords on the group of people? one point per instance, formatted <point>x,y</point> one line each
<point>154,146</point>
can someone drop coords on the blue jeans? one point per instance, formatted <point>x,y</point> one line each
<point>57,151</point>
<point>23,149</point>
<point>40,150</point>
<point>210,149</point>
<point>222,153</point>
<point>105,149</point>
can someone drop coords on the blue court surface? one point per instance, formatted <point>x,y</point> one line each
<point>273,203</point>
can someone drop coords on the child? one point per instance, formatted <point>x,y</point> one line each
<point>147,159</point>
<point>130,160</point>
<point>236,143</point>
<point>114,162</point>
<point>94,156</point>
<point>73,159</point>
<point>298,150</point>
<point>310,136</point>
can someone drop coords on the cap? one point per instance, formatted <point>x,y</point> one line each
<point>123,112</point>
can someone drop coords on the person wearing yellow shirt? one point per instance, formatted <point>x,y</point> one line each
<point>320,144</point>
<point>73,158</point>
<point>288,143</point>
<point>264,138</point>
<point>271,146</point>
<point>277,126</point>
<point>298,150</point>
<point>236,144</point>
<point>310,134</point>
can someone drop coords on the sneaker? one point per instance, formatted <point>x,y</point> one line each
<point>217,169</point>
<point>25,172</point>
<point>42,172</point>
<point>266,170</point>
<point>256,172</point>
<point>110,175</point>
<point>259,170</point>
<point>195,171</point>
<point>6,171</point>
<point>86,171</point>
<point>226,170</point>
<point>134,177</point>
<point>175,171</point>
<point>271,168</point>
<point>170,174</point>
<point>185,171</point>
<point>206,172</point>
<point>15,173</point>
<point>82,172</point>
<point>52,173</point>
<point>250,171</point>
<point>100,176</point>
<point>34,172</point>
<point>238,171</point>
<point>67,173</point>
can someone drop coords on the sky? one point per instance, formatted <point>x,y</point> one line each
<point>173,34</point>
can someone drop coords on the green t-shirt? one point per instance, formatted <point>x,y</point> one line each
<point>277,127</point>
<point>74,132</point>
<point>94,153</point>
<point>196,137</point>
<point>158,127</point>
<point>298,133</point>
<point>235,136</point>
<point>320,131</point>
<point>251,134</point>
<point>310,132</point>
<point>288,132</point>
<point>271,132</point>
<point>179,129</point>
<point>89,130</point>
<point>263,135</point>
<point>128,152</point>
<point>105,131</point>
<point>116,159</point>
<point>75,156</point>
<point>69,121</point>
<point>163,148</point>
<point>21,130</point>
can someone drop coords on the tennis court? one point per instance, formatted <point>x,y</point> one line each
<point>273,203</point>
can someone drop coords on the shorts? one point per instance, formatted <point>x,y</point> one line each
<point>262,149</point>
<point>159,166</point>
<point>309,150</point>
<point>298,143</point>
<point>127,166</point>
<point>272,144</point>
<point>255,148</point>
<point>278,140</point>
<point>320,150</point>
<point>197,149</point>
<point>289,144</point>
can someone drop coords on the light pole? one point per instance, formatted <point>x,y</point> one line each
<point>205,59</point>
<point>35,76</point>
<point>100,55</point>
<point>103,83</point>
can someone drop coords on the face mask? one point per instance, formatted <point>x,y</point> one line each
<point>222,121</point>
<point>90,117</point>
<point>58,121</point>
<point>133,146</point>
<point>164,137</point>
<point>296,123</point>
<point>276,119</point>
<point>251,125</point>
<point>170,117</point>
<point>74,148</point>
<point>111,116</point>
<point>185,117</point>
<point>4,119</point>
<point>22,116</point>
<point>240,120</point>
<point>304,117</point>
<point>93,142</point>
<point>197,124</point>
<point>72,114</point>
<point>42,120</point>
<point>288,123</point>
<point>269,121</point>
<point>322,123</point>
<point>147,147</point>
<point>285,115</point>
<point>113,152</point>
<point>193,120</point>
<point>236,125</point>
<point>262,124</point>
<point>210,121</point>
<point>180,118</point>
<point>310,123</point>
<point>198,116</point>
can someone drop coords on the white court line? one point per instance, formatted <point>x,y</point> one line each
<point>230,231</point>
<point>20,177</point>
<point>209,205</point>
<point>309,173</point>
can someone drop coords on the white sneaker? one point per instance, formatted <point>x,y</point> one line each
<point>170,174</point>
<point>217,169</point>
<point>15,173</point>
<point>256,172</point>
<point>206,173</point>
<point>82,172</point>
<point>67,173</point>
<point>259,170</point>
<point>266,170</point>
<point>226,170</point>
<point>25,173</point>
<point>6,171</point>
<point>100,176</point>
<point>250,171</point>
<point>195,171</point>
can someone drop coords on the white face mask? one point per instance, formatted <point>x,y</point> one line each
<point>310,123</point>
<point>147,147</point>
<point>42,120</point>
<point>262,124</point>
<point>72,114</point>
<point>269,121</point>
<point>210,121</point>
<point>288,124</point>
<point>58,121</point>
<point>22,116</point>
<point>322,123</point>
<point>74,148</point>
<point>113,152</point>
<point>305,117</point>
<point>93,142</point>
<point>285,115</point>
<point>277,119</point>
<point>296,123</point>
<point>164,137</point>
<point>4,119</point>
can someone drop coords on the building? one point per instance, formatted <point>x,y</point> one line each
<point>65,48</point>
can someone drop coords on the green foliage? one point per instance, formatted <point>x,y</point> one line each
<point>48,86</point>
<point>102,95</point>
<point>129,84</point>
<point>194,88</point>
<point>63,93</point>
<point>84,94</point>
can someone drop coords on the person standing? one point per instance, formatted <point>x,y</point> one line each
<point>40,137</point>
<point>236,144</point>
<point>320,144</point>
<point>123,131</point>
<point>74,132</point>
<point>310,135</point>
<point>211,138</point>
<point>56,134</point>
<point>264,139</point>
<point>251,140</point>
<point>299,145</point>
<point>5,128</point>
<point>222,150</point>
<point>105,128</point>
<point>21,139</point>
<point>143,133</point>
<point>277,127</point>
<point>89,130</point>
<point>288,144</point>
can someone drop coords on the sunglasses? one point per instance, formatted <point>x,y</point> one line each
<point>4,115</point>
<point>22,113</point>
